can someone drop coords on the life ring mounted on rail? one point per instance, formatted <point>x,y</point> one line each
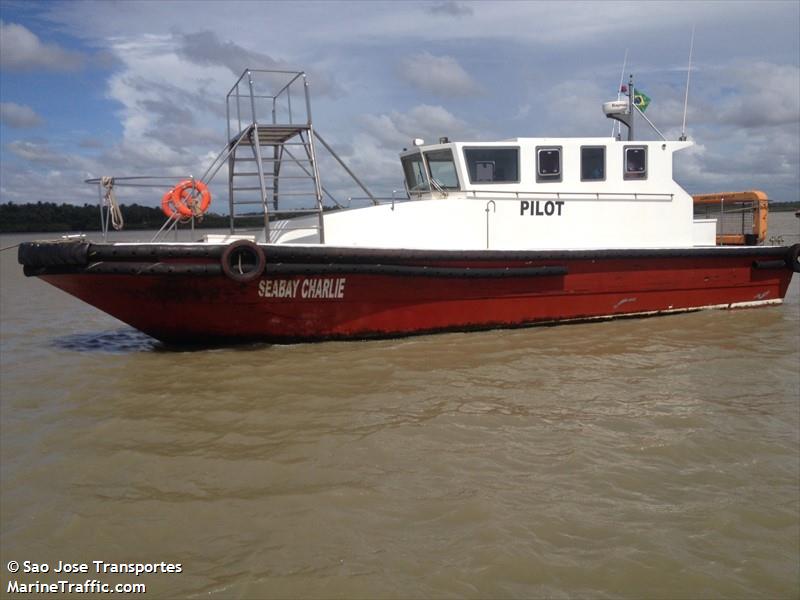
<point>190,198</point>
<point>243,261</point>
<point>168,206</point>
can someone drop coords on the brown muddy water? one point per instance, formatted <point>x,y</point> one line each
<point>653,458</point>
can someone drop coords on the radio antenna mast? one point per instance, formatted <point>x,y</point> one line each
<point>618,126</point>
<point>686,97</point>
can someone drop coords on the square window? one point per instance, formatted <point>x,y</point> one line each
<point>416,179</point>
<point>635,162</point>
<point>593,163</point>
<point>548,164</point>
<point>442,168</point>
<point>492,165</point>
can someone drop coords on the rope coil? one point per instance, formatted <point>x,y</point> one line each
<point>110,201</point>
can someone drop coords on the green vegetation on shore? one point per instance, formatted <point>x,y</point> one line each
<point>49,216</point>
<point>784,206</point>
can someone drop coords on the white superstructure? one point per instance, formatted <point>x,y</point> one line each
<point>514,194</point>
<point>526,193</point>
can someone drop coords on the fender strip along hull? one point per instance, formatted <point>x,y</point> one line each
<point>178,293</point>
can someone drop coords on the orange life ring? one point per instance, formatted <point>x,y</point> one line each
<point>167,206</point>
<point>181,198</point>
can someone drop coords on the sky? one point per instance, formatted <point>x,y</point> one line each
<point>138,88</point>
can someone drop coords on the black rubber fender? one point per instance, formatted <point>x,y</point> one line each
<point>243,261</point>
<point>793,258</point>
<point>769,264</point>
<point>153,252</point>
<point>53,254</point>
<point>415,271</point>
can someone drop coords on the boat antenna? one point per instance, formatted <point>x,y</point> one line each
<point>649,122</point>
<point>618,125</point>
<point>686,97</point>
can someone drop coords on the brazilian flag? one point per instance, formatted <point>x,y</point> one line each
<point>641,100</point>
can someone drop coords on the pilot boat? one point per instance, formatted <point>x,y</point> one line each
<point>497,234</point>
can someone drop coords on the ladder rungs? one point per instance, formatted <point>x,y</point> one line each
<point>272,210</point>
<point>269,176</point>
<point>272,130</point>
<point>264,159</point>
<point>272,216</point>
<point>311,194</point>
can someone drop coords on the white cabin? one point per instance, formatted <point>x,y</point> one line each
<point>523,194</point>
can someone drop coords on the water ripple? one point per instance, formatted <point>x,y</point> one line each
<point>117,341</point>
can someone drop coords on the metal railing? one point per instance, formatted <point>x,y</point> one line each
<point>741,216</point>
<point>162,182</point>
<point>278,103</point>
<point>533,194</point>
<point>270,111</point>
<point>260,107</point>
<point>499,195</point>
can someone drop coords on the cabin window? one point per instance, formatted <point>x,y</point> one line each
<point>593,163</point>
<point>492,165</point>
<point>548,164</point>
<point>442,168</point>
<point>415,173</point>
<point>635,162</point>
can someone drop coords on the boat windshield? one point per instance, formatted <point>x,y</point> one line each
<point>442,168</point>
<point>414,170</point>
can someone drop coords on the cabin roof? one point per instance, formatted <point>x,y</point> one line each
<point>673,145</point>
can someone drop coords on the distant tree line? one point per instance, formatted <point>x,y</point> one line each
<point>783,206</point>
<point>49,216</point>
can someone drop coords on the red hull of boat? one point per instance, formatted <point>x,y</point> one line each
<point>203,309</point>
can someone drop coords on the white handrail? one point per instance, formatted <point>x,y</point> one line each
<point>515,195</point>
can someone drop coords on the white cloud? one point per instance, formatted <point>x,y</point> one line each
<point>373,150</point>
<point>42,153</point>
<point>205,48</point>
<point>19,116</point>
<point>37,152</point>
<point>441,75</point>
<point>544,69</point>
<point>397,129</point>
<point>765,160</point>
<point>523,111</point>
<point>21,50</point>
<point>767,94</point>
<point>451,8</point>
<point>571,107</point>
<point>163,101</point>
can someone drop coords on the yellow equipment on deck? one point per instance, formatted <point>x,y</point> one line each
<point>741,216</point>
